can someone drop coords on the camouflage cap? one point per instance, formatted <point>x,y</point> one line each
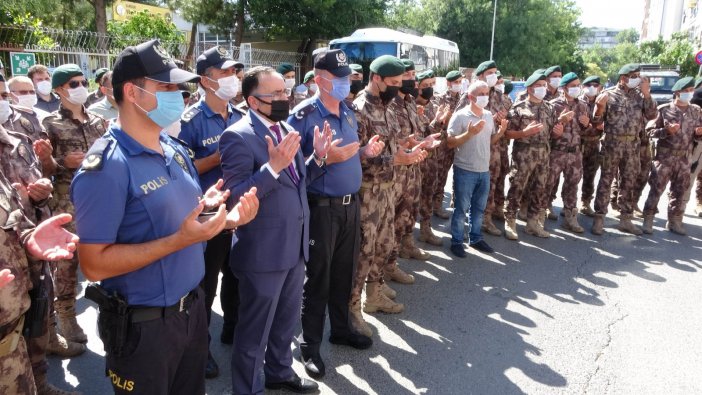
<point>629,68</point>
<point>409,65</point>
<point>308,76</point>
<point>591,79</point>
<point>64,73</point>
<point>509,86</point>
<point>533,78</point>
<point>568,78</point>
<point>285,68</point>
<point>387,66</point>
<point>552,70</point>
<point>684,83</point>
<point>483,67</point>
<point>453,75</point>
<point>356,68</point>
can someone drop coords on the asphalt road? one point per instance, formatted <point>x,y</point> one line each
<point>574,314</point>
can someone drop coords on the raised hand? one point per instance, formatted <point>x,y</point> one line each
<point>431,141</point>
<point>6,277</point>
<point>672,128</point>
<point>533,128</point>
<point>584,120</point>
<point>698,131</point>
<point>214,196</point>
<point>406,156</point>
<point>194,230</point>
<point>322,142</point>
<point>50,241</point>
<point>373,148</point>
<point>244,211</point>
<point>566,116</point>
<point>557,130</point>
<point>475,128</point>
<point>602,99</point>
<point>338,154</point>
<point>281,156</point>
<point>43,149</point>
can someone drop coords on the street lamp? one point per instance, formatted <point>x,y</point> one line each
<point>494,17</point>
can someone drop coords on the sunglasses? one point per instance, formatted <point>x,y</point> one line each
<point>74,84</point>
<point>27,92</point>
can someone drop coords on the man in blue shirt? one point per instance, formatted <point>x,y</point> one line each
<point>138,209</point>
<point>201,127</point>
<point>334,211</point>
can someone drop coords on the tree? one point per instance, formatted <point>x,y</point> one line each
<point>630,36</point>
<point>145,25</point>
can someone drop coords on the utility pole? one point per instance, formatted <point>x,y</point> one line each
<point>492,42</point>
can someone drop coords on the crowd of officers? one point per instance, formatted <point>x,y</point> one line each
<point>384,168</point>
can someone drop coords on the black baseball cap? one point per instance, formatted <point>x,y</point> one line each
<point>333,61</point>
<point>218,57</point>
<point>149,60</point>
<point>239,66</point>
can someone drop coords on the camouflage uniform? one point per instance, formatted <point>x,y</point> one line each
<point>530,157</point>
<point>15,369</point>
<point>625,113</point>
<point>590,147</point>
<point>503,146</point>
<point>671,162</point>
<point>430,167</point>
<point>497,103</point>
<point>565,155</point>
<point>376,193</point>
<point>26,122</point>
<point>444,153</point>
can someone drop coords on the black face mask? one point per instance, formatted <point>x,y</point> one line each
<point>356,86</point>
<point>415,92</point>
<point>389,93</point>
<point>427,93</point>
<point>407,87</point>
<point>280,109</point>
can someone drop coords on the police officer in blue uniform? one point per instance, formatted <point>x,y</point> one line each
<point>139,213</point>
<point>201,127</point>
<point>334,211</point>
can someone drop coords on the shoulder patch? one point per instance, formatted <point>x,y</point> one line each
<point>191,153</point>
<point>301,113</point>
<point>190,113</point>
<point>94,159</point>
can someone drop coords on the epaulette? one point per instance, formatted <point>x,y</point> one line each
<point>191,153</point>
<point>661,106</point>
<point>301,113</point>
<point>94,159</point>
<point>190,113</point>
<point>23,109</point>
<point>238,110</point>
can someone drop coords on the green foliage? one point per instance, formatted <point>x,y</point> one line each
<point>65,14</point>
<point>145,25</point>
<point>217,14</point>
<point>630,36</point>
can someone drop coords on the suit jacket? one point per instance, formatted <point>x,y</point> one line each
<point>279,235</point>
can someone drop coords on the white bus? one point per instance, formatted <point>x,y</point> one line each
<point>427,52</point>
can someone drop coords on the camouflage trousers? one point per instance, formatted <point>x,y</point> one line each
<point>645,155</point>
<point>591,163</point>
<point>528,162</point>
<point>430,179</point>
<point>495,173</point>
<point>622,158</point>
<point>16,372</point>
<point>499,182</point>
<point>65,272</point>
<point>698,190</point>
<point>695,160</point>
<point>673,169</point>
<point>36,346</point>
<point>571,165</point>
<point>377,234</point>
<point>406,189</point>
<point>445,158</point>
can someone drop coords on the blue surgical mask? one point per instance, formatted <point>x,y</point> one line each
<point>169,107</point>
<point>341,87</point>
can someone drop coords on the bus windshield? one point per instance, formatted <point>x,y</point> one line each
<point>362,52</point>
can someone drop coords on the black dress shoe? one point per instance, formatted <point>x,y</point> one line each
<point>227,336</point>
<point>314,366</point>
<point>211,370</point>
<point>295,384</point>
<point>459,251</point>
<point>357,341</point>
<point>483,247</point>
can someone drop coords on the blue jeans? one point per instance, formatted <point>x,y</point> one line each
<point>470,193</point>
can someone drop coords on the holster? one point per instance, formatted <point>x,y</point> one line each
<point>113,318</point>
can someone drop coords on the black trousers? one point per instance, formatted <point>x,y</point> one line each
<point>335,236</point>
<point>216,261</point>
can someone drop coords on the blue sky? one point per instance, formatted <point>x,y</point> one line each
<point>619,14</point>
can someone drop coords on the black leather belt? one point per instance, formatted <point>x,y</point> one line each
<point>141,314</point>
<point>324,201</point>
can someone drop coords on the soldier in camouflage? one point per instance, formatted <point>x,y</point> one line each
<point>498,200</point>
<point>622,109</point>
<point>677,124</point>
<point>72,130</point>
<point>590,146</point>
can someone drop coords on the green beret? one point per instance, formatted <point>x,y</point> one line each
<point>629,68</point>
<point>698,82</point>
<point>498,74</point>
<point>424,75</point>
<point>539,71</point>
<point>534,77</point>
<point>99,73</point>
<point>387,66</point>
<point>489,64</point>
<point>552,70</point>
<point>64,73</point>
<point>453,75</point>
<point>684,83</point>
<point>509,86</point>
<point>568,78</point>
<point>356,68</point>
<point>409,65</point>
<point>308,76</point>
<point>590,79</point>
<point>285,68</point>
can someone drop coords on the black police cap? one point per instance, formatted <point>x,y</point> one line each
<point>218,57</point>
<point>149,60</point>
<point>333,61</point>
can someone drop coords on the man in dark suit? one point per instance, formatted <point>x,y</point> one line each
<point>269,256</point>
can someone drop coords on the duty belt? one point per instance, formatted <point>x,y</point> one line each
<point>141,314</point>
<point>672,152</point>
<point>323,201</point>
<point>569,150</point>
<point>11,334</point>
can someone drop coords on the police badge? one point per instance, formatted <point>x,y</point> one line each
<point>181,161</point>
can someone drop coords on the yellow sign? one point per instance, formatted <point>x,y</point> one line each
<point>124,10</point>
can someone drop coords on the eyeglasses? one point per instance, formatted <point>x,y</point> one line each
<point>74,84</point>
<point>275,95</point>
<point>26,92</point>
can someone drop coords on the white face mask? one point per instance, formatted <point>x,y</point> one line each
<point>633,82</point>
<point>289,83</point>
<point>4,111</point>
<point>500,88</point>
<point>313,88</point>
<point>574,91</point>
<point>228,87</point>
<point>554,82</point>
<point>491,80</point>
<point>591,91</point>
<point>78,95</point>
<point>540,92</point>
<point>201,92</point>
<point>44,87</point>
<point>456,88</point>
<point>27,101</point>
<point>685,97</point>
<point>482,101</point>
